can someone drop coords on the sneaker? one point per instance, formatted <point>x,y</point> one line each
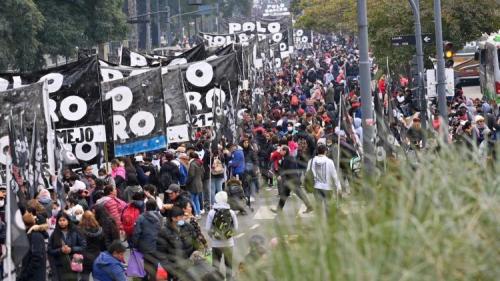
<point>252,199</point>
<point>274,210</point>
<point>202,212</point>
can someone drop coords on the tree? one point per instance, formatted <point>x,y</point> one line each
<point>463,21</point>
<point>31,29</point>
<point>20,24</point>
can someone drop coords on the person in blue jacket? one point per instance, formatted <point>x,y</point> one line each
<point>237,163</point>
<point>109,265</point>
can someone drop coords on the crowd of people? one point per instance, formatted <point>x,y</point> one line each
<point>304,135</point>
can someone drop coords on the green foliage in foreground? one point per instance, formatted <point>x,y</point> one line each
<point>439,221</point>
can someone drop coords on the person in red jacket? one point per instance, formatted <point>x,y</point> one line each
<point>113,205</point>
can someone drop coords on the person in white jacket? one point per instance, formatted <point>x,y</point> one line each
<point>222,243</point>
<point>325,176</point>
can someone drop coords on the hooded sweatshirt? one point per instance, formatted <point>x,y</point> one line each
<point>108,268</point>
<point>221,243</point>
<point>325,174</point>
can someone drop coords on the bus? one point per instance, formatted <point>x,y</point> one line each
<point>489,66</point>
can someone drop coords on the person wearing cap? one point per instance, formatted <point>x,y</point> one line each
<point>175,244</point>
<point>174,196</point>
<point>480,128</point>
<point>415,135</point>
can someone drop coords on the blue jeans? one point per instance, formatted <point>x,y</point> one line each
<point>195,199</point>
<point>214,188</point>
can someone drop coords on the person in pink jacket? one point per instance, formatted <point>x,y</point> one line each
<point>113,205</point>
<point>117,169</point>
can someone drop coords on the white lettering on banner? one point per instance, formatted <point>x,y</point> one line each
<point>277,62</point>
<point>122,98</point>
<point>219,94</point>
<point>110,74</point>
<point>234,27</point>
<point>89,134</point>
<point>4,84</point>
<point>178,133</point>
<point>52,109</point>
<point>67,108</point>
<point>274,27</point>
<point>202,120</point>
<point>142,123</point>
<point>283,47</point>
<point>168,113</point>
<point>119,127</point>
<point>277,37</point>
<point>194,98</point>
<point>86,154</point>
<point>54,81</point>
<point>299,32</point>
<point>200,74</point>
<point>137,59</point>
<point>17,83</point>
<point>260,29</point>
<point>4,143</point>
<point>248,26</point>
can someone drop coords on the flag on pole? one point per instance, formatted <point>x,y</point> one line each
<point>36,160</point>
<point>17,240</point>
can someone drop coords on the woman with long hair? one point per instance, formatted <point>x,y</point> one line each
<point>96,242</point>
<point>110,229</point>
<point>64,242</point>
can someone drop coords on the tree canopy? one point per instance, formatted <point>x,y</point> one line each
<point>463,21</point>
<point>30,29</point>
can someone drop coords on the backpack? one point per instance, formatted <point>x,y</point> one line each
<point>294,101</point>
<point>184,174</point>
<point>130,214</point>
<point>222,225</point>
<point>217,167</point>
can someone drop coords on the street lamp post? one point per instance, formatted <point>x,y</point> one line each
<point>415,5</point>
<point>441,76</point>
<point>366,96</point>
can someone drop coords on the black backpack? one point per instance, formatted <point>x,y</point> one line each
<point>222,225</point>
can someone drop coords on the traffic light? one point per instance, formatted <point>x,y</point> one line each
<point>448,54</point>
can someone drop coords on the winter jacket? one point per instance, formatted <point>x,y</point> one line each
<point>96,243</point>
<point>325,174</point>
<point>146,231</point>
<point>108,268</point>
<point>61,262</point>
<point>251,160</point>
<point>196,173</point>
<point>289,171</point>
<point>221,243</point>
<point>169,173</point>
<point>174,246</point>
<point>114,206</point>
<point>34,263</point>
<point>237,163</point>
<point>119,171</point>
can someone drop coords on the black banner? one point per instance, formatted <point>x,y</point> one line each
<point>24,106</point>
<point>195,54</point>
<point>138,113</point>
<point>176,109</point>
<point>208,86</point>
<point>302,39</point>
<point>75,104</point>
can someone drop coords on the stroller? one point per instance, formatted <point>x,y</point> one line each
<point>236,196</point>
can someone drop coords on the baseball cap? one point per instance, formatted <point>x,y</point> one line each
<point>77,186</point>
<point>173,188</point>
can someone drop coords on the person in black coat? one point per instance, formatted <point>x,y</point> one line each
<point>175,244</point>
<point>290,180</point>
<point>64,242</point>
<point>96,242</point>
<point>109,228</point>
<point>146,231</point>
<point>169,173</point>
<point>34,264</point>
